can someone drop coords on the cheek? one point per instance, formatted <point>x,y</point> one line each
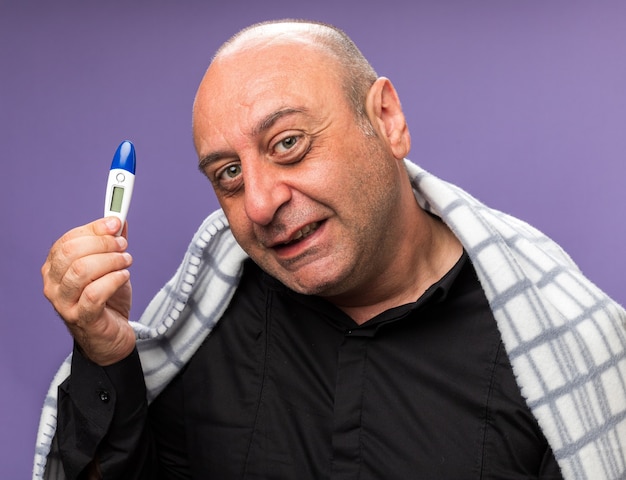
<point>240,224</point>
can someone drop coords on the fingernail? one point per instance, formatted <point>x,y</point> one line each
<point>121,242</point>
<point>112,223</point>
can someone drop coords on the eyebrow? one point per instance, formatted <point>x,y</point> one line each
<point>262,126</point>
<point>267,122</point>
<point>211,158</point>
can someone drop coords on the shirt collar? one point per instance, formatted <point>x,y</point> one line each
<point>436,293</point>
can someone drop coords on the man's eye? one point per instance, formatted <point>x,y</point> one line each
<point>286,144</point>
<point>230,172</point>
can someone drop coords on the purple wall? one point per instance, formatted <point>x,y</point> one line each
<point>523,103</point>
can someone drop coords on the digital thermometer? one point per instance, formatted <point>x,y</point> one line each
<point>120,183</point>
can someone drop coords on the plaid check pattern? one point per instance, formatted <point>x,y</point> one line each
<point>565,338</point>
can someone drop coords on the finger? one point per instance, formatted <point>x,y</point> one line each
<point>94,297</point>
<point>65,293</point>
<point>71,248</point>
<point>107,226</point>
<point>88,269</point>
<point>101,226</point>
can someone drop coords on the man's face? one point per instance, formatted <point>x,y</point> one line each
<point>307,194</point>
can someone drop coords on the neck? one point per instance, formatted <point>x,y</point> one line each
<point>417,266</point>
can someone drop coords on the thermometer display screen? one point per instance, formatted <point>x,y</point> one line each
<point>116,199</point>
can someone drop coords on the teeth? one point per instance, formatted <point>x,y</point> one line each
<point>304,232</point>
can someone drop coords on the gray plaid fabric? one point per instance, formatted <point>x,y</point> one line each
<point>565,338</point>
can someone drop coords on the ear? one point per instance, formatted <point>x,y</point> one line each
<point>385,112</point>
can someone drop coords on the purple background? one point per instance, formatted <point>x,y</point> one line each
<point>523,103</point>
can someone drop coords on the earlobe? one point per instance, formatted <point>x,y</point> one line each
<point>384,108</point>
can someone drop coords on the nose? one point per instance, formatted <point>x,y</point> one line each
<point>265,191</point>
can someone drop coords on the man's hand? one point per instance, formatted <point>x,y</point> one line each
<point>85,277</point>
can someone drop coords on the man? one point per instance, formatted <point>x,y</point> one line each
<point>385,325</point>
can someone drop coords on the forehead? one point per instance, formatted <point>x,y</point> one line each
<point>267,74</point>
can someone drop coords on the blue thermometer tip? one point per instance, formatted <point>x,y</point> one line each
<point>124,157</point>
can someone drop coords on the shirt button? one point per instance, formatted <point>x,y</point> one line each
<point>104,396</point>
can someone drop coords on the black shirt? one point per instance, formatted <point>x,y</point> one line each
<point>287,386</point>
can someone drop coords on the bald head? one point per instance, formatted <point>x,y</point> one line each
<point>355,73</point>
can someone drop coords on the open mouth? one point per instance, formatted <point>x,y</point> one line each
<point>302,233</point>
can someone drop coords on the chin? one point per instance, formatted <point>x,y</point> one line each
<point>324,285</point>
<point>326,276</point>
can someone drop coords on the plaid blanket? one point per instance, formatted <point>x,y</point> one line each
<point>565,338</point>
